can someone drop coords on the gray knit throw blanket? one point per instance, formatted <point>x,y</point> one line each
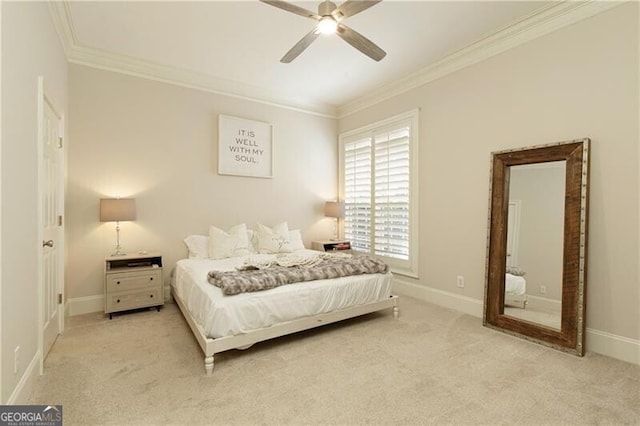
<point>250,279</point>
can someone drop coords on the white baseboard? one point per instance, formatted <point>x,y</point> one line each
<point>84,305</point>
<point>603,343</point>
<point>26,386</point>
<point>457,302</point>
<point>544,304</point>
<point>608,344</point>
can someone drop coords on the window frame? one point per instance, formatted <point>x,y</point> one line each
<point>411,118</point>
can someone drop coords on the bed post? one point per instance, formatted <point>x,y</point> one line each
<point>208,365</point>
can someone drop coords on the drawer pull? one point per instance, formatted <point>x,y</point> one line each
<point>151,279</point>
<point>151,296</point>
<point>118,301</point>
<point>117,282</point>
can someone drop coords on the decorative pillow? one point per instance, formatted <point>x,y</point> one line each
<point>228,244</point>
<point>295,238</point>
<point>253,240</point>
<point>274,240</point>
<point>198,246</point>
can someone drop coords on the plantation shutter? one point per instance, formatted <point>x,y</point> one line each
<point>357,194</point>
<point>379,186</point>
<point>376,192</point>
<point>391,194</point>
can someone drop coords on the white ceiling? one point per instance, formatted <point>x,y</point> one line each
<point>238,44</point>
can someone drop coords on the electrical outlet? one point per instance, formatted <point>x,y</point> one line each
<point>460,281</point>
<point>16,359</point>
<point>543,289</point>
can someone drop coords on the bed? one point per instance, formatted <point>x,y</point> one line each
<point>515,290</point>
<point>221,322</point>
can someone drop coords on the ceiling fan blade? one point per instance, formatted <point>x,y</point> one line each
<point>300,46</point>
<point>360,42</point>
<point>292,8</point>
<point>351,7</point>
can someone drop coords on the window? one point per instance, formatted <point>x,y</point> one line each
<point>378,183</point>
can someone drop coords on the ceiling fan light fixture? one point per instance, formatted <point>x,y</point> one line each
<point>327,25</point>
<point>328,20</point>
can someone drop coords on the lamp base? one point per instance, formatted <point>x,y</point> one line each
<point>118,252</point>
<point>335,231</point>
<point>118,246</point>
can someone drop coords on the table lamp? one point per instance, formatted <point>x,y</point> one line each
<point>117,210</point>
<point>334,209</point>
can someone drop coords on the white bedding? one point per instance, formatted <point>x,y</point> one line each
<point>515,285</point>
<point>219,315</point>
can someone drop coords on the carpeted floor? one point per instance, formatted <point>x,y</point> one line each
<point>431,366</point>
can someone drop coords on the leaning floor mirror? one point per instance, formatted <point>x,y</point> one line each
<point>537,244</point>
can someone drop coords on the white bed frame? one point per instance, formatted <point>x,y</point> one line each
<point>210,346</point>
<point>516,300</point>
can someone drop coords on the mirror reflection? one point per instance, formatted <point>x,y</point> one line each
<point>535,233</point>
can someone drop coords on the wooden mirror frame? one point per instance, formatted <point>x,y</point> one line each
<point>570,337</point>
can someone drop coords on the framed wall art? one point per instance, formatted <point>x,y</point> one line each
<point>245,147</point>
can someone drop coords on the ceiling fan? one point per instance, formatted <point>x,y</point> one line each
<point>329,19</point>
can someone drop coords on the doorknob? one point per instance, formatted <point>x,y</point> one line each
<point>47,243</point>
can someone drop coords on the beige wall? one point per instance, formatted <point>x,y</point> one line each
<point>158,143</point>
<point>30,48</point>
<point>580,81</point>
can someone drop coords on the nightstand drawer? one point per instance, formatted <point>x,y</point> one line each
<point>133,280</point>
<point>138,299</point>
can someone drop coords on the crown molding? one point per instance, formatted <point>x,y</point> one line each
<point>538,24</point>
<point>194,80</point>
<point>96,58</point>
<point>61,16</point>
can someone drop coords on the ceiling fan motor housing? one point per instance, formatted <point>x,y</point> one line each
<point>326,7</point>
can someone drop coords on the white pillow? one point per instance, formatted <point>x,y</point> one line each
<point>198,246</point>
<point>295,238</point>
<point>253,240</point>
<point>274,240</point>
<point>228,244</point>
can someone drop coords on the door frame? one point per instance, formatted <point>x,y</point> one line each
<point>42,99</point>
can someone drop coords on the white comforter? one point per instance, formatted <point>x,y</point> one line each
<point>219,315</point>
<point>515,285</point>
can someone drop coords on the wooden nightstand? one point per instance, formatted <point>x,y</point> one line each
<point>331,245</point>
<point>133,281</point>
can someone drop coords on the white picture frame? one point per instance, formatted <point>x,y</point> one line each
<point>245,147</point>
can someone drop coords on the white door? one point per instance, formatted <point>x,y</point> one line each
<point>51,226</point>
<point>513,227</point>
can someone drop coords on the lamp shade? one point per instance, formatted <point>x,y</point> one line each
<point>334,209</point>
<point>117,209</point>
